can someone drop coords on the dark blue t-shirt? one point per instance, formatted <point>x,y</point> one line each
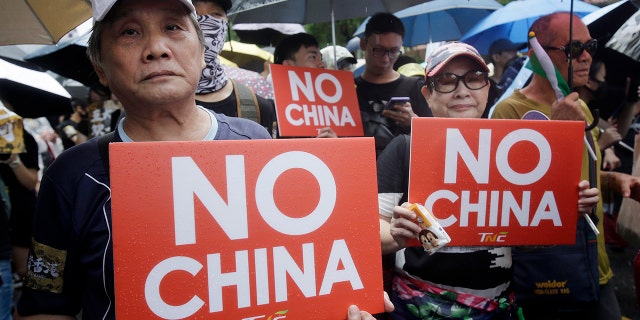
<point>70,266</point>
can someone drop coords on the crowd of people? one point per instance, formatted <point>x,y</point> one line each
<point>161,80</point>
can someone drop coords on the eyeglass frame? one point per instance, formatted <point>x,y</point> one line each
<point>432,80</point>
<point>386,52</point>
<point>568,46</point>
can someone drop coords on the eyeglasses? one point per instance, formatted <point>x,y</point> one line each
<point>448,82</point>
<point>380,52</point>
<point>576,48</point>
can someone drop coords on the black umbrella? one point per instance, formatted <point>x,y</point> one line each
<point>68,59</point>
<point>30,92</point>
<point>602,25</point>
<point>265,34</point>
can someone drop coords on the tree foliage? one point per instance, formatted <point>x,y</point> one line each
<point>344,31</point>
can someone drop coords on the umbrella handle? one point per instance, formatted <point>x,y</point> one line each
<point>596,118</point>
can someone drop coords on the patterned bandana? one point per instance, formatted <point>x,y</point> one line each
<point>213,77</point>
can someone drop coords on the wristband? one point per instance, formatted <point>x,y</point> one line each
<point>15,163</point>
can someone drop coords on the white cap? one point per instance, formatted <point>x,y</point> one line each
<point>102,7</point>
<point>343,55</point>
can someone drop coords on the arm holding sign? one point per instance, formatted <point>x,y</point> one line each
<point>397,230</point>
<point>587,197</point>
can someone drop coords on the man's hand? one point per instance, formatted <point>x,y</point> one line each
<point>568,108</point>
<point>625,184</point>
<point>401,114</point>
<point>610,161</point>
<point>353,313</point>
<point>608,137</point>
<point>587,197</point>
<point>326,132</point>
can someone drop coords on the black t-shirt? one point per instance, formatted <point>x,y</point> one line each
<point>23,200</point>
<point>229,107</point>
<point>372,98</point>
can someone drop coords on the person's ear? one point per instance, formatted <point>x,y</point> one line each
<point>101,75</point>
<point>426,93</point>
<point>288,62</point>
<point>363,44</point>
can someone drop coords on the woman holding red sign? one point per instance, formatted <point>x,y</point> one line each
<point>455,282</point>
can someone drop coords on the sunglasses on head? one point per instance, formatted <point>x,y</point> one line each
<point>576,48</point>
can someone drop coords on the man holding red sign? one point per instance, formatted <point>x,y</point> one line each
<point>561,43</point>
<point>150,53</point>
<point>454,282</point>
<point>302,50</point>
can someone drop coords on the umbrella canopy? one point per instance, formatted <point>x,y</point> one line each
<point>440,20</point>
<point>603,25</point>
<point>251,79</point>
<point>245,55</point>
<point>312,11</point>
<point>40,21</point>
<point>265,34</point>
<point>627,39</point>
<point>31,93</point>
<point>513,21</point>
<point>68,59</point>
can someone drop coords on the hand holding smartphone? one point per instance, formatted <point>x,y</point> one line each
<point>395,101</point>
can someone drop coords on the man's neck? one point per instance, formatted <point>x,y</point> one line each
<point>191,124</point>
<point>381,78</point>
<point>540,90</point>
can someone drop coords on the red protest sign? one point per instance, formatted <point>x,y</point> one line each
<point>245,229</point>
<point>498,182</point>
<point>309,99</point>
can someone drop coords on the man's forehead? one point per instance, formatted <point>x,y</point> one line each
<point>310,49</point>
<point>387,38</point>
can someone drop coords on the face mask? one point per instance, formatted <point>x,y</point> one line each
<point>213,77</point>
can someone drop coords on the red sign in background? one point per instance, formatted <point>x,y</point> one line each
<point>498,182</point>
<point>269,229</point>
<point>309,99</point>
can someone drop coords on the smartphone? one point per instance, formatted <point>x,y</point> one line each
<point>396,100</point>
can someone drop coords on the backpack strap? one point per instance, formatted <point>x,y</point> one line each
<point>247,102</point>
<point>103,146</point>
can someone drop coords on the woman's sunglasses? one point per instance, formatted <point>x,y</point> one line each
<point>576,48</point>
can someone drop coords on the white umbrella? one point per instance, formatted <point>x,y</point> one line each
<point>32,93</point>
<point>40,21</point>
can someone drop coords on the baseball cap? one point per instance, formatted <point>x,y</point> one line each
<point>342,56</point>
<point>503,44</point>
<point>102,7</point>
<point>445,53</point>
